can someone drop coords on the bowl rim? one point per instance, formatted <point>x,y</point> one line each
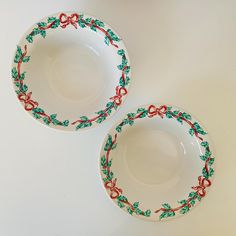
<point>196,193</point>
<point>63,20</point>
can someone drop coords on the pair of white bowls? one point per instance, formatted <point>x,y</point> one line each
<point>71,72</point>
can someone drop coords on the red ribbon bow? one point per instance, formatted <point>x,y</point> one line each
<point>66,20</point>
<point>203,183</point>
<point>114,191</point>
<point>29,104</point>
<point>120,92</point>
<point>161,111</point>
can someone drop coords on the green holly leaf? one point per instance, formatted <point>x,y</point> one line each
<point>184,210</point>
<point>136,205</point>
<point>121,204</point>
<point>191,131</point>
<point>209,174</point>
<point>182,202</point>
<point>26,59</point>
<point>113,35</point>
<point>55,24</point>
<point>163,215</point>
<point>53,116</point>
<point>55,122</point>
<point>186,116</point>
<point>65,123</point>
<point>211,161</point>
<point>14,73</point>
<point>17,84</point>
<point>109,163</point>
<point>170,213</point>
<point>205,144</point>
<point>122,198</point>
<point>24,88</point>
<point>127,70</point>
<point>118,128</point>
<point>147,213</point>
<point>138,211</point>
<point>179,119</point>
<point>105,172</point>
<point>43,33</point>
<point>46,121</point>
<point>121,52</point>
<point>19,51</point>
<point>169,115</point>
<point>84,118</point>
<point>124,81</point>
<point>79,126</point>
<point>101,119</point>
<point>131,122</point>
<point>42,24</point>
<point>18,54</point>
<point>176,112</point>
<point>99,23</point>
<point>203,157</point>
<point>192,202</point>
<point>130,210</point>
<point>51,19</point>
<point>92,27</point>
<point>22,76</point>
<point>88,20</point>
<point>37,116</point>
<point>107,40</point>
<point>110,104</point>
<point>81,24</point>
<point>110,175</point>
<point>38,110</point>
<point>108,144</point>
<point>166,206</point>
<point>114,146</point>
<point>192,194</point>
<point>29,38</point>
<point>103,161</point>
<point>109,111</point>
<point>208,153</point>
<point>120,67</point>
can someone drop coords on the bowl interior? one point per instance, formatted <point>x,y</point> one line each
<point>72,72</point>
<point>156,161</point>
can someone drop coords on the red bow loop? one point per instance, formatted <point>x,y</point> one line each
<point>114,191</point>
<point>65,20</point>
<point>203,184</point>
<point>26,98</point>
<point>153,111</point>
<point>120,92</point>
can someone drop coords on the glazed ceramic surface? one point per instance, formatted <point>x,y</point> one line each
<point>71,71</point>
<point>157,162</point>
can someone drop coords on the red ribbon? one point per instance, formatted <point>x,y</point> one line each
<point>114,191</point>
<point>66,20</point>
<point>120,92</point>
<point>161,111</point>
<point>29,104</point>
<point>203,183</point>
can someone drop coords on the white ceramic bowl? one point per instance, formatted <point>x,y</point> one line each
<point>157,162</point>
<point>71,71</point>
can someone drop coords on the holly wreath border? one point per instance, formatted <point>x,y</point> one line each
<point>75,20</point>
<point>165,211</point>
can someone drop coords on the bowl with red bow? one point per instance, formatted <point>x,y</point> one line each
<point>157,163</point>
<point>71,71</point>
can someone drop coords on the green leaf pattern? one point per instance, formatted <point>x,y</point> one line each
<point>184,205</point>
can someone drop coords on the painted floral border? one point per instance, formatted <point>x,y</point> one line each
<point>165,211</point>
<point>63,21</point>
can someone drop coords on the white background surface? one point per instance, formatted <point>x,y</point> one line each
<point>182,53</point>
